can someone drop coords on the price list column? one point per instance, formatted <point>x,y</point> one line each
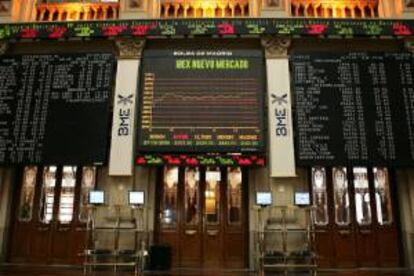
<point>407,90</point>
<point>8,85</point>
<point>148,100</point>
<point>312,114</point>
<point>353,119</point>
<point>349,116</point>
<point>41,107</point>
<point>31,110</point>
<point>384,148</point>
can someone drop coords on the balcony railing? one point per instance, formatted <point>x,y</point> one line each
<point>335,8</point>
<point>75,11</point>
<point>204,8</point>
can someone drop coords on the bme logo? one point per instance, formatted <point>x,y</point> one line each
<point>279,99</point>
<point>124,115</point>
<point>124,100</point>
<point>280,114</point>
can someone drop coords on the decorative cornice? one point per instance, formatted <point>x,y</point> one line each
<point>276,46</point>
<point>130,48</point>
<point>338,3</point>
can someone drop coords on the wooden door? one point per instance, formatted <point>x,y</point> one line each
<point>354,217</point>
<point>383,189</point>
<point>47,215</point>
<point>235,240</point>
<point>35,212</point>
<point>23,204</point>
<point>335,239</point>
<point>364,219</point>
<point>192,219</point>
<point>63,219</point>
<point>202,216</point>
<point>343,224</point>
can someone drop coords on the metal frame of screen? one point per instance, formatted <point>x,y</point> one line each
<point>260,78</point>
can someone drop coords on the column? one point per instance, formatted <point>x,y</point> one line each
<point>50,15</point>
<point>222,9</point>
<point>176,8</point>
<point>372,10</point>
<point>362,8</point>
<point>166,9</point>
<point>60,13</point>
<point>121,161</point>
<point>324,11</point>
<point>41,14</point>
<point>95,14</point>
<point>405,200</point>
<point>186,6</point>
<point>78,13</point>
<point>86,13</point>
<point>281,146</point>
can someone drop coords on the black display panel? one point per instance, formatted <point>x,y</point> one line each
<point>54,109</point>
<point>202,101</point>
<point>354,108</point>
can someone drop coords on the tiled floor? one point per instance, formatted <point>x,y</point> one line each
<point>72,271</point>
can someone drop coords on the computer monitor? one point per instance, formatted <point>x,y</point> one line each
<point>96,197</point>
<point>302,199</point>
<point>264,198</point>
<point>136,198</point>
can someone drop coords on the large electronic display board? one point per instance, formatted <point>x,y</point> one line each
<point>354,108</point>
<point>202,101</point>
<point>54,109</point>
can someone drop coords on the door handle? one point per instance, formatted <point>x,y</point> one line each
<point>42,229</point>
<point>212,232</point>
<point>190,232</point>
<point>80,229</point>
<point>63,229</point>
<point>344,232</point>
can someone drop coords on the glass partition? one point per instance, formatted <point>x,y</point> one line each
<point>362,196</point>
<point>192,181</point>
<point>67,194</point>
<point>212,196</point>
<point>341,196</point>
<point>27,193</point>
<point>234,195</point>
<point>319,196</point>
<point>382,196</point>
<point>169,201</point>
<point>47,198</point>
